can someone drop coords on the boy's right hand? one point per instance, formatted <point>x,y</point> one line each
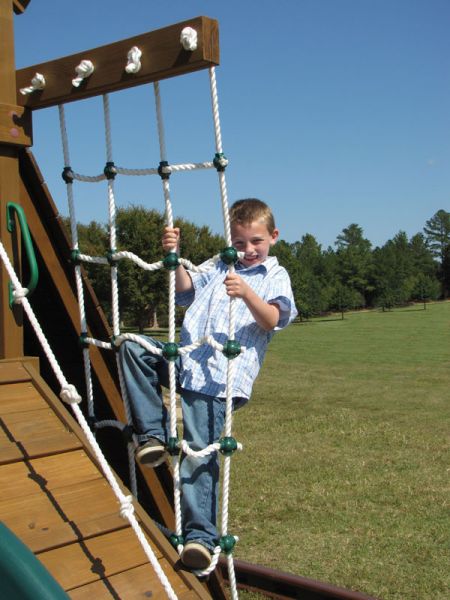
<point>171,239</point>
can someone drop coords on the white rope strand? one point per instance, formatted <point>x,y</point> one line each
<point>219,151</point>
<point>107,117</point>
<point>159,122</point>
<point>63,129</point>
<point>178,168</point>
<point>215,107</point>
<point>112,217</point>
<point>231,328</point>
<point>75,248</point>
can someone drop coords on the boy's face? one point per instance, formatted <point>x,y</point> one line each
<point>254,240</point>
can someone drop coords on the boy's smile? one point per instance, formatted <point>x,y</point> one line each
<point>254,240</point>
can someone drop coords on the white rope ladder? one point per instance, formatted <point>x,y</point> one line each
<point>227,444</point>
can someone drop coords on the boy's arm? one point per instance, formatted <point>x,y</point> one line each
<point>183,281</point>
<point>171,241</point>
<point>265,314</point>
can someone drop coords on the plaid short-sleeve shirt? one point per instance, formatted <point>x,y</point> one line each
<point>204,369</point>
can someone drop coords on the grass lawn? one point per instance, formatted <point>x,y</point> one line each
<point>345,471</point>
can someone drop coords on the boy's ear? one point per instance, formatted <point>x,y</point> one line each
<point>274,236</point>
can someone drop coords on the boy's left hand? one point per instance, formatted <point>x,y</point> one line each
<point>235,286</point>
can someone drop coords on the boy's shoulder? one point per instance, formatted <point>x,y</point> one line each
<point>274,268</point>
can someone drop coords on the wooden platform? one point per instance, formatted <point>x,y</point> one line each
<point>56,500</point>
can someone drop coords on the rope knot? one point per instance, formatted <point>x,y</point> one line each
<point>69,394</point>
<point>18,294</point>
<point>188,39</point>
<point>126,507</point>
<point>134,63</point>
<point>84,70</point>
<point>37,83</point>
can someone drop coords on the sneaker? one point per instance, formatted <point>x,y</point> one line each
<point>195,556</point>
<point>152,453</point>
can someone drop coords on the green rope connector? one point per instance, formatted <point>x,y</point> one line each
<point>227,543</point>
<point>170,351</point>
<point>114,346</point>
<point>83,339</point>
<point>173,446</point>
<point>220,161</point>
<point>231,349</point>
<point>228,446</point>
<point>110,170</point>
<point>176,540</point>
<point>109,257</point>
<point>67,175</point>
<point>229,255</point>
<point>171,261</point>
<point>75,257</point>
<point>162,173</point>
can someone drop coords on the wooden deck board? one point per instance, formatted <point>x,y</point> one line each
<point>40,432</point>
<point>33,516</point>
<point>93,559</point>
<point>21,396</point>
<point>66,515</point>
<point>85,501</point>
<point>45,474</point>
<point>65,469</point>
<point>13,371</point>
<point>140,583</point>
<point>9,451</point>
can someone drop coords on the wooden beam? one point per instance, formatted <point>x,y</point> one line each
<point>162,56</point>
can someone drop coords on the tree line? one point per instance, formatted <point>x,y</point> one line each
<point>351,275</point>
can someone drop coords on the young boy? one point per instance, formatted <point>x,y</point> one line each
<point>266,305</point>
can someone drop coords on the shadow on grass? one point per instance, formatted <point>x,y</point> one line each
<point>318,320</point>
<point>325,320</point>
<point>333,319</point>
<point>399,311</point>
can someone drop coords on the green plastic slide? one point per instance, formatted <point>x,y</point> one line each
<point>22,575</point>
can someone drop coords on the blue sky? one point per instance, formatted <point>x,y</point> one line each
<point>333,111</point>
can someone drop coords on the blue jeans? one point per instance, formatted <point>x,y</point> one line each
<point>203,420</point>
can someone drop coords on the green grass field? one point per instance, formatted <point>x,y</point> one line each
<point>345,471</point>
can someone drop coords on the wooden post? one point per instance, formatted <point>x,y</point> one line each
<point>12,137</point>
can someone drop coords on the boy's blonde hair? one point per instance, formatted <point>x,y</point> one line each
<point>246,211</point>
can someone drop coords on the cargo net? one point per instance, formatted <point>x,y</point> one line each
<point>170,350</point>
